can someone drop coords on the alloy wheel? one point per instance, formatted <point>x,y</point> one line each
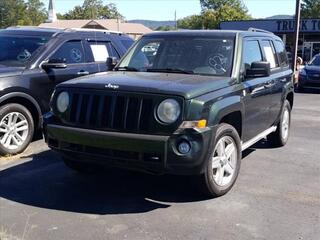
<point>224,161</point>
<point>14,129</point>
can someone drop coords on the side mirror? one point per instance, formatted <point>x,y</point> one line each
<point>258,69</point>
<point>111,62</point>
<point>54,64</point>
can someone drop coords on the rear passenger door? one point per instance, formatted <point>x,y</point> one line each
<point>256,96</point>
<point>97,52</point>
<point>274,86</point>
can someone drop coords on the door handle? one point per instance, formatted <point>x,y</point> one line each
<point>269,84</point>
<point>83,72</point>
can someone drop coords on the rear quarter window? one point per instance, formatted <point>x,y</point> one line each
<point>282,53</point>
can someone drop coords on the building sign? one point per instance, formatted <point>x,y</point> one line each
<point>275,26</point>
<point>312,25</point>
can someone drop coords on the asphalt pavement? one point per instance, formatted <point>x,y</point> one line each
<point>277,195</point>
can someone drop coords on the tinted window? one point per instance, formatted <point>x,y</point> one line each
<point>18,50</point>
<point>269,53</point>
<point>192,55</point>
<point>102,50</point>
<point>283,57</point>
<point>71,52</point>
<point>127,43</point>
<point>251,53</point>
<point>315,61</point>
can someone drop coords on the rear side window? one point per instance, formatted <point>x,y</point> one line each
<point>270,53</point>
<point>102,50</point>
<point>283,58</point>
<point>251,53</point>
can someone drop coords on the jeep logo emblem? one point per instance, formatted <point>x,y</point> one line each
<point>109,85</point>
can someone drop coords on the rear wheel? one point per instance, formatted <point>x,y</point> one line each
<point>280,137</point>
<point>223,165</point>
<point>16,128</point>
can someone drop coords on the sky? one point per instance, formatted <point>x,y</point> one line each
<point>164,9</point>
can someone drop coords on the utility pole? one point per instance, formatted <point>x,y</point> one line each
<point>175,19</point>
<point>296,34</point>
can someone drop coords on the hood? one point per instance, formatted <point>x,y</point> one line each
<point>312,69</point>
<point>10,71</point>
<point>185,85</point>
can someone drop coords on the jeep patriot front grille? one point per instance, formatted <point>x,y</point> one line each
<point>109,111</point>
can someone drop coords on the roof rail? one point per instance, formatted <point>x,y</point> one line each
<point>93,30</point>
<point>259,30</point>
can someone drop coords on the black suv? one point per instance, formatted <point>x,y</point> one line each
<point>184,102</point>
<point>33,61</point>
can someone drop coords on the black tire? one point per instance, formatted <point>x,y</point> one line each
<point>300,88</point>
<point>79,166</point>
<point>208,184</point>
<point>278,138</point>
<point>16,108</point>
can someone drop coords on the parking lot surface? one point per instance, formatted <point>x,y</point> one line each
<point>277,195</point>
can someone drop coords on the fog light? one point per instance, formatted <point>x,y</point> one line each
<point>184,147</point>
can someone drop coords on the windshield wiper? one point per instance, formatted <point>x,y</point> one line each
<point>170,70</point>
<point>127,68</point>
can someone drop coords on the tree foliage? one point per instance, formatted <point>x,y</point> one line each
<point>36,12</point>
<point>165,28</point>
<point>92,9</point>
<point>310,9</point>
<point>213,12</point>
<point>19,12</point>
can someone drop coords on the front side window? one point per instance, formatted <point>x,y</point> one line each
<point>71,52</point>
<point>269,53</point>
<point>251,53</point>
<point>16,51</point>
<point>190,55</point>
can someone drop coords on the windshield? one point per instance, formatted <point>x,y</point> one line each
<point>17,50</point>
<point>188,55</point>
<point>315,61</point>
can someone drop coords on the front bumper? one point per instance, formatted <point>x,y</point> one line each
<point>309,82</point>
<point>151,153</point>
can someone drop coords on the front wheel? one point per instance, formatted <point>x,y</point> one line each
<point>223,165</point>
<point>16,128</point>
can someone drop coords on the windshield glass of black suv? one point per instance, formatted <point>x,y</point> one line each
<point>187,55</point>
<point>315,61</point>
<point>16,51</point>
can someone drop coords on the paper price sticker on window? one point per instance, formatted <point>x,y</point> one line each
<point>100,53</point>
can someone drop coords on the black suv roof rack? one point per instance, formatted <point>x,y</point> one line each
<point>259,30</point>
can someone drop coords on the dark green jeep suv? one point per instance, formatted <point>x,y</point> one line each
<point>186,102</point>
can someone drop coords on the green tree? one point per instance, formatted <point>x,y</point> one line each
<point>93,9</point>
<point>216,4</point>
<point>12,13</point>
<point>213,12</point>
<point>165,28</point>
<point>35,13</point>
<point>310,9</point>
<point>20,12</point>
<point>191,22</point>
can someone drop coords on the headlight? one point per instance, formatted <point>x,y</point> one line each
<point>168,111</point>
<point>63,102</point>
